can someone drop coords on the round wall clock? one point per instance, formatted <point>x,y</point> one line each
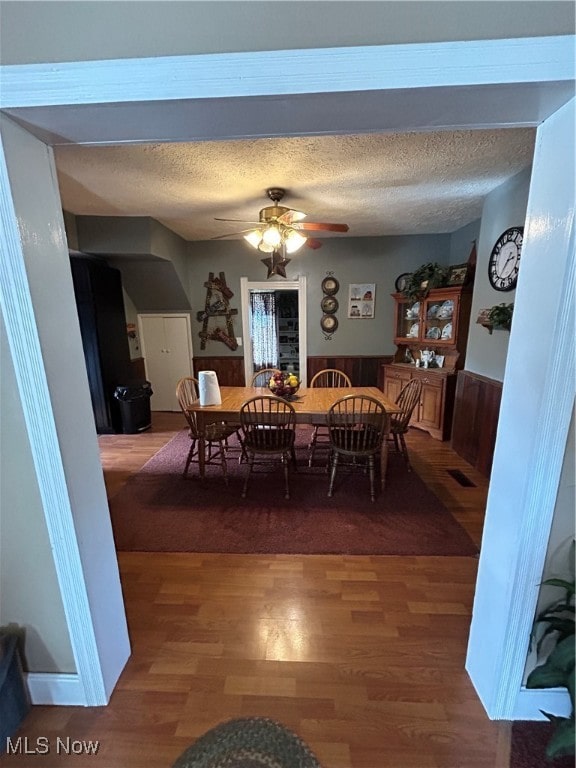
<point>329,305</point>
<point>330,286</point>
<point>401,281</point>
<point>504,260</point>
<point>328,323</point>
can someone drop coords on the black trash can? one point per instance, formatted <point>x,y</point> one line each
<point>14,697</point>
<point>134,403</point>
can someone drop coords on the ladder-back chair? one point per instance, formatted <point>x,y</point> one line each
<point>356,427</point>
<point>268,429</point>
<point>407,400</point>
<point>216,435</point>
<point>329,377</point>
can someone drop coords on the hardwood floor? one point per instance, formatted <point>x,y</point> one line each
<point>363,657</point>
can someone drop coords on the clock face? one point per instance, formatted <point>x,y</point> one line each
<point>505,260</point>
<point>401,281</point>
<point>329,305</point>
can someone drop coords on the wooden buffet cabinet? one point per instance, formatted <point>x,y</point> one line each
<point>439,323</point>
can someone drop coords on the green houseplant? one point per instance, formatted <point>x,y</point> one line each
<point>556,623</point>
<point>432,275</point>
<point>501,316</point>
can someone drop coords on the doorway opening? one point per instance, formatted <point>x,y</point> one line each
<point>274,327</point>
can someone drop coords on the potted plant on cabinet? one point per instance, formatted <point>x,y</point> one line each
<point>419,282</point>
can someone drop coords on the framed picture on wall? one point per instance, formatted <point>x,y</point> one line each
<point>361,299</point>
<point>457,274</point>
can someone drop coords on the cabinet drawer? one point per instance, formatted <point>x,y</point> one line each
<point>395,373</point>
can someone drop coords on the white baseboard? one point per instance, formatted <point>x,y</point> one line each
<point>531,701</point>
<point>55,688</point>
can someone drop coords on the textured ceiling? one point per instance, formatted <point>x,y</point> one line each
<point>379,184</point>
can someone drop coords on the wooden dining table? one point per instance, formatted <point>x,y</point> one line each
<point>310,404</point>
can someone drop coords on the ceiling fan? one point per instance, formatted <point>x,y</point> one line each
<point>280,226</point>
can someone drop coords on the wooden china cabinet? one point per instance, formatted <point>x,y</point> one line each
<point>436,323</point>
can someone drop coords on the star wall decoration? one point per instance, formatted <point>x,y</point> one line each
<point>276,264</point>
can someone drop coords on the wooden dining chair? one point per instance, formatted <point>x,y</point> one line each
<point>216,435</point>
<point>407,401</point>
<point>268,430</point>
<point>356,427</point>
<point>329,377</point>
<point>261,378</point>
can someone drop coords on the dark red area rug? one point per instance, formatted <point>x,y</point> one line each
<point>528,747</point>
<point>158,510</point>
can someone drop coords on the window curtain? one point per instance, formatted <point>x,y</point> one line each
<point>264,329</point>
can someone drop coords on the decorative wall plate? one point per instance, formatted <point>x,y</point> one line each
<point>329,305</point>
<point>447,331</point>
<point>433,333</point>
<point>330,286</point>
<point>414,331</point>
<point>328,323</point>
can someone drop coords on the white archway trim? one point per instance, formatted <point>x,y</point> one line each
<point>16,303</point>
<point>285,285</point>
<point>56,689</point>
<point>274,73</point>
<point>527,462</point>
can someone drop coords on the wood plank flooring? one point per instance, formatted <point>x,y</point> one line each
<point>363,657</point>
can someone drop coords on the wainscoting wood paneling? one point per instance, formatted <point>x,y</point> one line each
<point>137,369</point>
<point>363,371</point>
<point>476,411</point>
<point>229,370</point>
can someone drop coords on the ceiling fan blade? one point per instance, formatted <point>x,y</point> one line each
<point>311,242</point>
<point>290,216</point>
<point>243,221</point>
<point>316,226</point>
<point>231,234</point>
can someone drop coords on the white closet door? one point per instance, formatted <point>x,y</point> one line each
<point>179,355</point>
<point>167,348</point>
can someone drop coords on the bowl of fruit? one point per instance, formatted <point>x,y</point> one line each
<point>284,384</point>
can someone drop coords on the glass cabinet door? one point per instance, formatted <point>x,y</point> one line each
<point>439,319</point>
<point>407,320</point>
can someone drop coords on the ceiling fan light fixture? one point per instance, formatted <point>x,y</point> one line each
<point>254,238</point>
<point>293,241</point>
<point>272,236</point>
<point>280,227</point>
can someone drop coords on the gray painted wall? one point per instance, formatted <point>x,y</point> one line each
<point>80,31</point>
<point>151,257</point>
<point>558,560</point>
<point>462,240</point>
<point>503,208</point>
<point>29,589</point>
<point>352,260</point>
